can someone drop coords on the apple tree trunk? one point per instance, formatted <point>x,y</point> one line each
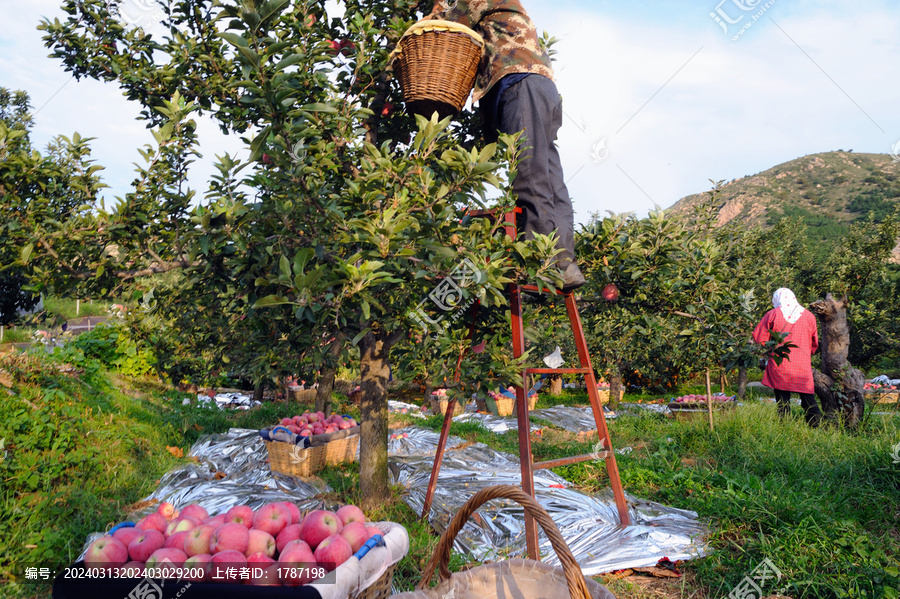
<point>556,385</point>
<point>742,383</point>
<point>838,385</point>
<point>373,456</point>
<point>615,390</point>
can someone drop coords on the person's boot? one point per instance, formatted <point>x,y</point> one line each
<point>572,278</point>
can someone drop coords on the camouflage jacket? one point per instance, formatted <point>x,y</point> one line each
<point>510,39</point>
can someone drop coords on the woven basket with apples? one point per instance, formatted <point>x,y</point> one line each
<point>324,554</point>
<point>332,440</point>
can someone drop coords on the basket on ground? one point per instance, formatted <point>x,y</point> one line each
<point>435,63</point>
<point>500,405</point>
<point>299,461</point>
<point>439,405</point>
<point>303,395</point>
<point>519,578</point>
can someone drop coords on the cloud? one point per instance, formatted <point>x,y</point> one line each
<point>734,109</point>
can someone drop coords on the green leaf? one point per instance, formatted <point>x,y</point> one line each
<point>270,300</point>
<point>26,252</point>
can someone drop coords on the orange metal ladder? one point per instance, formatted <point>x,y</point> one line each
<point>526,457</point>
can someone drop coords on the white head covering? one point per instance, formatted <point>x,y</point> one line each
<point>785,299</point>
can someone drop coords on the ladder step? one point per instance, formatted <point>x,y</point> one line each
<point>557,370</point>
<point>571,460</point>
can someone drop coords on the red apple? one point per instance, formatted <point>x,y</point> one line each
<point>167,557</point>
<point>351,513</point>
<point>107,551</point>
<point>289,533</point>
<point>230,537</point>
<point>332,552</point>
<point>610,293</point>
<point>260,542</point>
<point>127,535</point>
<point>144,545</point>
<point>221,562</point>
<point>318,525</point>
<point>195,511</point>
<point>181,524</point>
<point>177,540</point>
<point>198,539</point>
<point>166,510</point>
<point>201,561</point>
<point>296,558</point>
<point>263,570</point>
<point>356,534</point>
<point>286,422</point>
<point>215,521</point>
<point>294,512</point>
<point>242,514</point>
<point>271,518</point>
<point>154,521</point>
<point>374,530</point>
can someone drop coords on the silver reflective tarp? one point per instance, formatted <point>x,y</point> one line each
<point>588,523</point>
<point>231,469</point>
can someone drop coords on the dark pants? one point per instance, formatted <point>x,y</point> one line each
<point>807,401</point>
<point>534,105</point>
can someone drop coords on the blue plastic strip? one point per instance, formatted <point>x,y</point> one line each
<point>121,525</point>
<point>372,543</point>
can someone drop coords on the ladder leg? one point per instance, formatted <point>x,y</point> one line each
<point>525,457</point>
<point>438,457</point>
<point>599,418</point>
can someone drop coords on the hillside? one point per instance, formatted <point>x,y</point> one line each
<point>826,191</point>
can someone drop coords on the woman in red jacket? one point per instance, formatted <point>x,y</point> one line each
<point>794,374</point>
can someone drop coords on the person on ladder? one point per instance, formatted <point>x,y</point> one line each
<point>515,92</point>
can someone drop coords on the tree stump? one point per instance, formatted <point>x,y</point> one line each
<point>839,386</point>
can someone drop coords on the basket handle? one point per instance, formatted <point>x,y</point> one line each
<point>441,558</point>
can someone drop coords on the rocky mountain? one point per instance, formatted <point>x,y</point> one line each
<point>826,191</point>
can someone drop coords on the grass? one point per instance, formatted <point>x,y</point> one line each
<point>70,308</point>
<point>822,505</point>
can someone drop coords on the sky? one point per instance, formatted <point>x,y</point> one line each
<point>660,97</point>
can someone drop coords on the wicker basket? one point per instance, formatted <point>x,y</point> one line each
<point>297,461</point>
<point>436,62</point>
<point>500,406</point>
<point>604,395</point>
<point>381,588</point>
<point>439,406</point>
<point>513,578</point>
<point>532,402</point>
<point>304,395</point>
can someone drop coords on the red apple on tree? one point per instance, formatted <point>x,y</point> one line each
<point>610,293</point>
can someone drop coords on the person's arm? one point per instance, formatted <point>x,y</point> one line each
<point>761,332</point>
<point>814,343</point>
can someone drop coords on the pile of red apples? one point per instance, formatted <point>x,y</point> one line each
<point>276,542</point>
<point>315,423</point>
